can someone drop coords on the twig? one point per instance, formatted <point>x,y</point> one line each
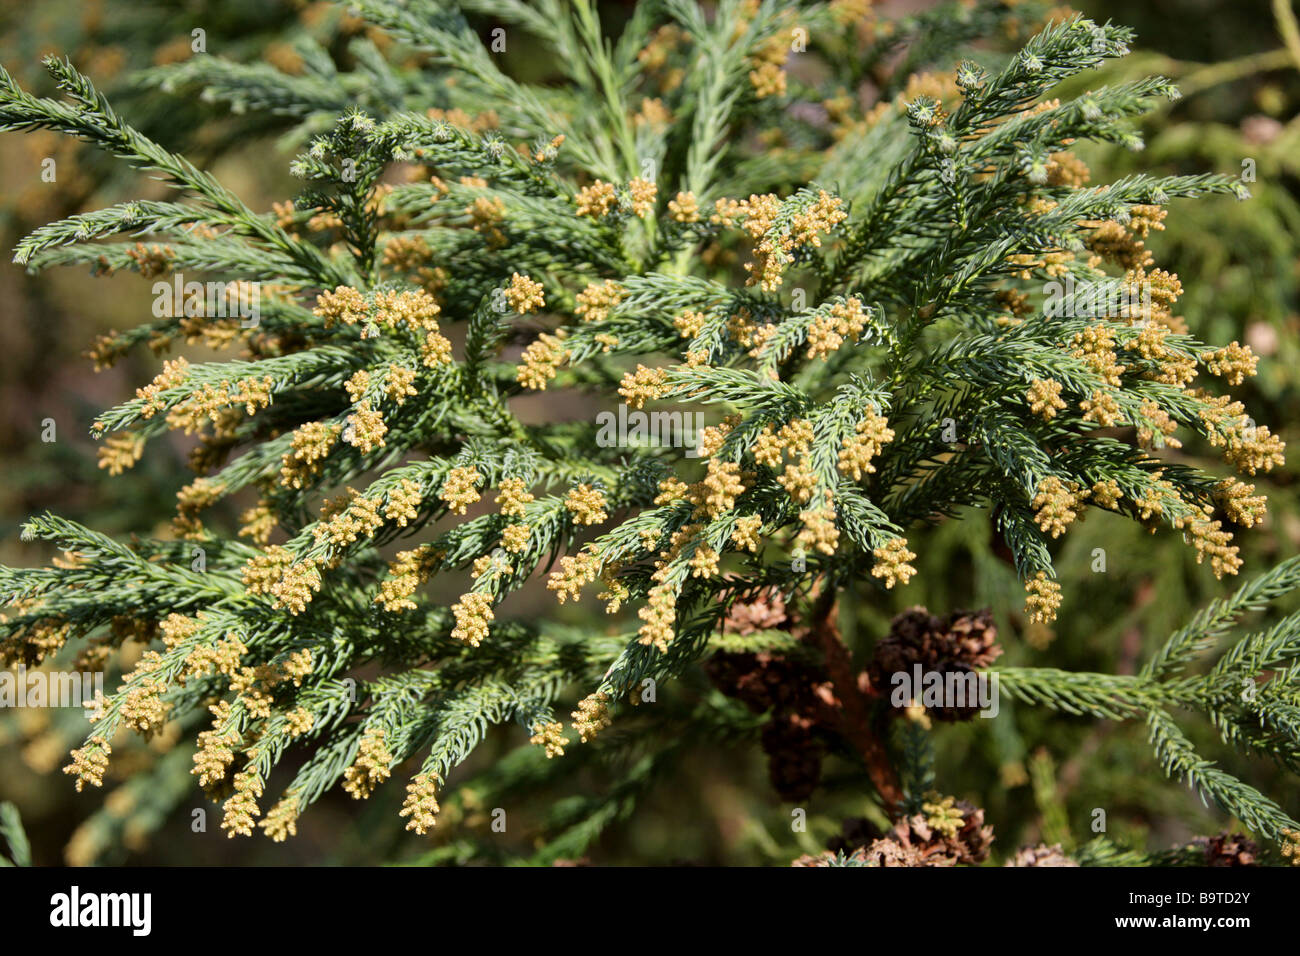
<point>854,707</point>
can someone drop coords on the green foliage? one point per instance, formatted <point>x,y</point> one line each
<point>11,828</point>
<point>1248,694</point>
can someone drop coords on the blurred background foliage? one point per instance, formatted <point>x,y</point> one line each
<point>702,797</point>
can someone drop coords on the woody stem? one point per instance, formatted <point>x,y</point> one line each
<point>854,706</point>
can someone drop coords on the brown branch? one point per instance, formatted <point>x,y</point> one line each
<point>855,708</point>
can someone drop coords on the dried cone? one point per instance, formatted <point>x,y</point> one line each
<point>916,636</point>
<point>831,859</point>
<point>855,833</point>
<point>763,681</point>
<point>915,841</point>
<point>789,690</point>
<point>974,839</point>
<point>763,612</point>
<point>794,690</point>
<point>1229,849</point>
<point>962,642</point>
<point>888,852</point>
<point>1041,855</point>
<point>924,845</point>
<point>794,756</point>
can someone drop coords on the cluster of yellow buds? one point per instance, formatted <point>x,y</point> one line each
<point>642,194</point>
<point>1044,397</point>
<point>592,715</point>
<point>240,811</point>
<point>704,562</point>
<point>459,489</point>
<point>359,519</point>
<point>1095,345</point>
<point>421,804</point>
<point>365,429</point>
<point>486,213</point>
<point>685,207</point>
<point>857,450</point>
<point>1102,408</point>
<point>744,535</point>
<point>403,503</point>
<point>281,821</point>
<point>120,452</point>
<point>689,323</point>
<point>575,571</point>
<point>643,385</point>
<point>371,766</point>
<point>819,532</point>
<point>310,445</point>
<point>296,586</point>
<point>586,504</point>
<point>829,330</point>
<point>658,616</point>
<point>542,360</point>
<point>524,295</point>
<point>473,613</point>
<point>795,439</point>
<point>1044,597</point>
<point>768,75</point>
<point>1106,494</point>
<point>1239,502</point>
<point>1057,503</point>
<point>216,747</point>
<point>1209,539</point>
<point>721,485</point>
<point>596,301</point>
<point>597,199</point>
<point>1234,362</point>
<point>892,562</point>
<point>90,762</point>
<point>550,736</point>
<point>399,384</point>
<point>406,573</point>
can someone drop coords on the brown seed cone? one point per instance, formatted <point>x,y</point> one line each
<point>1041,855</point>
<point>961,642</point>
<point>973,840</point>
<point>914,842</point>
<point>796,695</point>
<point>1229,849</point>
<point>889,852</point>
<point>763,681</point>
<point>763,612</point>
<point>916,636</point>
<point>802,706</point>
<point>828,858</point>
<point>810,696</point>
<point>855,834</point>
<point>929,847</point>
<point>860,838</point>
<point>794,756</point>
